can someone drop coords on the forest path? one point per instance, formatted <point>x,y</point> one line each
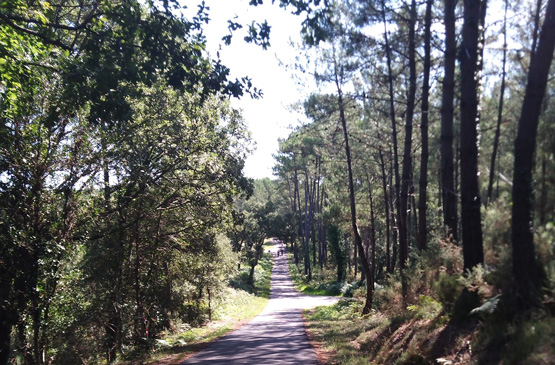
<point>277,335</point>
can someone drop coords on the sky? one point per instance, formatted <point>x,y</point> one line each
<point>267,118</point>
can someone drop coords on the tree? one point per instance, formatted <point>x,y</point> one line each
<point>406,177</point>
<point>500,110</point>
<point>449,198</point>
<point>338,251</point>
<point>79,70</point>
<point>470,195</point>
<point>338,79</point>
<point>422,198</point>
<point>526,270</point>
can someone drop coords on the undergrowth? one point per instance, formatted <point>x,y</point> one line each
<point>322,283</point>
<point>446,317</point>
<point>241,303</point>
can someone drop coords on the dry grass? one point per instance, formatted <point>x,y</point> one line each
<point>341,338</point>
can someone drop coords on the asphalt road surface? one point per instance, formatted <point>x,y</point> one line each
<point>276,336</point>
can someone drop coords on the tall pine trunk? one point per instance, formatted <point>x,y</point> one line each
<point>356,234</point>
<point>526,269</point>
<point>422,198</point>
<point>396,191</point>
<point>499,110</point>
<point>473,253</point>
<point>449,197</point>
<point>406,180</point>
<point>387,221</point>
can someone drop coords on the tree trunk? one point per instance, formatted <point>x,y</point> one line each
<point>407,152</point>
<point>500,109</point>
<point>449,196</point>
<point>422,198</point>
<point>321,238</point>
<point>387,224</point>
<point>396,190</point>
<point>372,235</point>
<point>526,269</point>
<point>543,198</point>
<point>358,239</point>
<point>317,210</point>
<point>355,258</point>
<point>372,247</point>
<point>251,275</point>
<point>473,253</point>
<point>298,209</point>
<point>309,207</point>
<point>395,230</point>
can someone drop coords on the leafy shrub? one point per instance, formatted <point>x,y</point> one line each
<point>388,298</point>
<point>428,307</point>
<point>545,244</point>
<point>333,288</point>
<point>448,288</point>
<point>497,240</point>
<point>349,288</point>
<point>476,281</point>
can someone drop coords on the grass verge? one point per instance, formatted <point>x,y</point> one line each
<point>423,334</point>
<point>416,336</point>
<point>321,283</point>
<point>242,303</point>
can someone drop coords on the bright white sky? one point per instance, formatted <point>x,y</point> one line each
<point>268,118</point>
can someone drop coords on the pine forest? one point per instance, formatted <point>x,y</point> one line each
<point>419,187</point>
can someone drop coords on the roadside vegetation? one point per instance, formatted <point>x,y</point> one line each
<point>435,323</point>
<point>323,282</point>
<point>420,185</point>
<point>238,304</point>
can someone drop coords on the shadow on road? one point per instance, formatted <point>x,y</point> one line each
<point>276,336</point>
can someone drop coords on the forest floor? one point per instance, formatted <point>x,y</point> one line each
<point>344,337</point>
<point>425,335</point>
<point>422,331</point>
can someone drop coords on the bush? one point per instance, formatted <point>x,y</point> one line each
<point>333,288</point>
<point>497,240</point>
<point>348,289</point>
<point>448,288</point>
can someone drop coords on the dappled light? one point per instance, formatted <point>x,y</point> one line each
<point>338,181</point>
<point>277,335</point>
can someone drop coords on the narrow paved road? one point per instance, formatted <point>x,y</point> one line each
<point>276,336</point>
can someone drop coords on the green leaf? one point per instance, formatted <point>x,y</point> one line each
<point>488,307</point>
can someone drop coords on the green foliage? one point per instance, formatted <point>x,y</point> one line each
<point>348,289</point>
<point>337,249</point>
<point>427,308</point>
<point>488,307</point>
<point>516,341</point>
<point>545,244</point>
<point>497,239</point>
<point>476,281</point>
<point>448,288</point>
<point>120,160</point>
<point>319,285</point>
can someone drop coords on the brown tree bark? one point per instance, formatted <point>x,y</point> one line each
<point>422,198</point>
<point>499,110</point>
<point>356,234</point>
<point>449,198</point>
<point>406,180</point>
<point>473,253</point>
<point>397,189</point>
<point>387,222</point>
<point>527,272</point>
